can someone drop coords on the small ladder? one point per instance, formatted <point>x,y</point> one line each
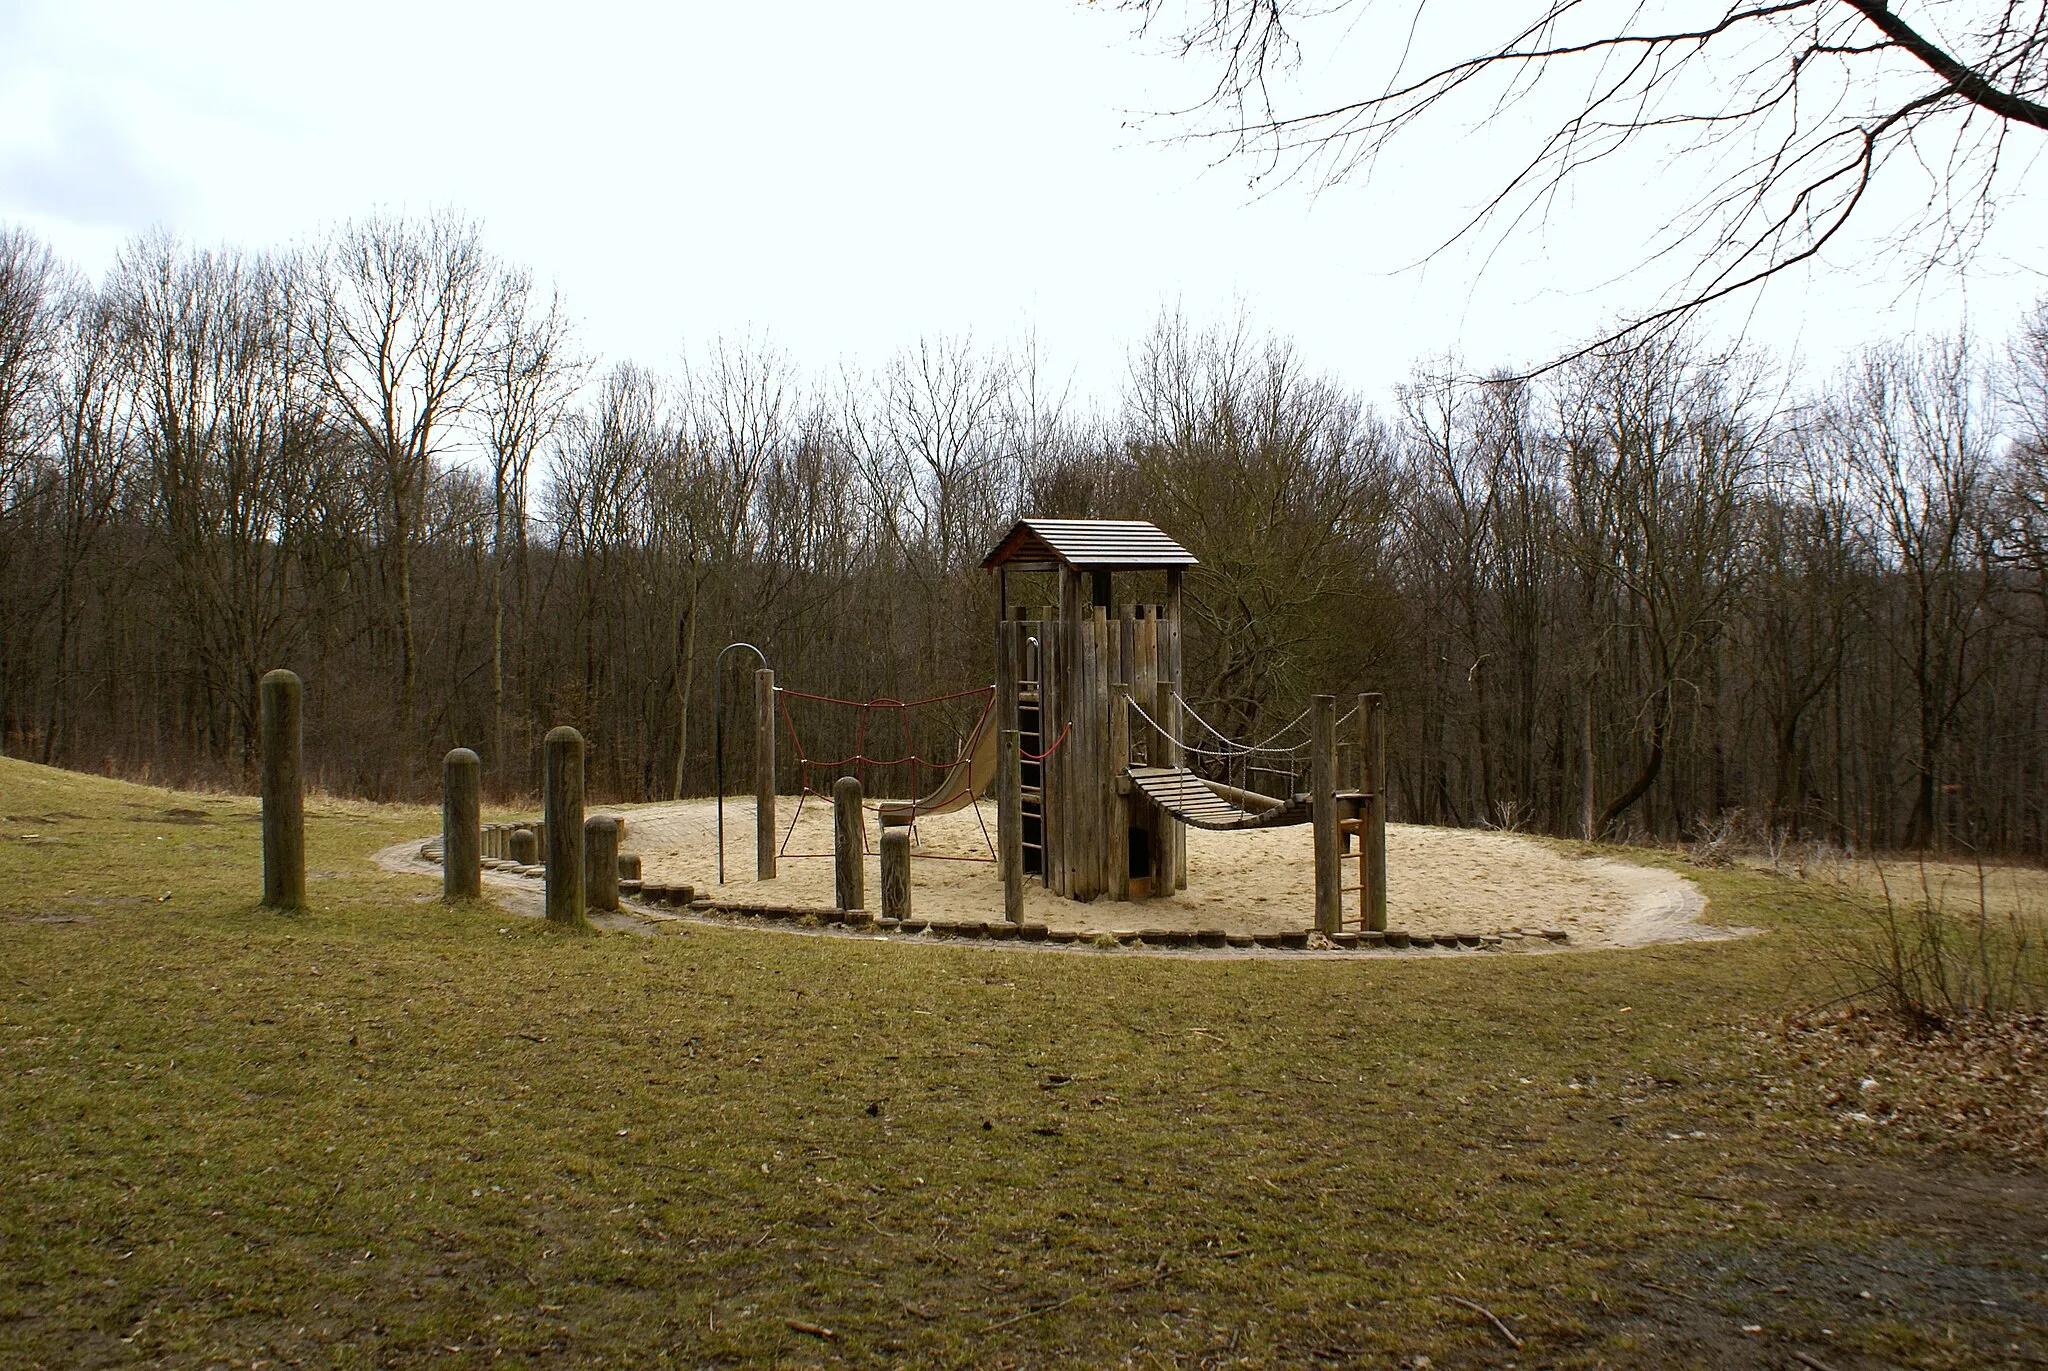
<point>1031,776</point>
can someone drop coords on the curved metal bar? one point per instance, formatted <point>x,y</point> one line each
<point>718,735</point>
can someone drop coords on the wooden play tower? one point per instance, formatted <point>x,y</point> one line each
<point>1094,795</point>
<point>1066,675</point>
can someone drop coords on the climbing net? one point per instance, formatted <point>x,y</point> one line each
<point>881,741</point>
<point>1212,751</point>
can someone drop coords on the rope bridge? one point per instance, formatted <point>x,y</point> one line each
<point>1199,802</point>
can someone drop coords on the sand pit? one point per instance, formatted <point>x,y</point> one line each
<point>1439,880</point>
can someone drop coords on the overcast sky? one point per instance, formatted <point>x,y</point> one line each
<point>842,177</point>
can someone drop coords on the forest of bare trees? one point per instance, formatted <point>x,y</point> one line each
<point>1658,592</point>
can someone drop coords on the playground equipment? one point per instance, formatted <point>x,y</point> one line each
<point>1072,665</point>
<point>1085,740</point>
<point>1097,807</point>
<point>961,779</point>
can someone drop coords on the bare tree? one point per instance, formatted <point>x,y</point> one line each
<point>525,388</point>
<point>229,428</point>
<point>87,470</point>
<point>1792,111</point>
<point>1662,449</point>
<point>1279,482</point>
<point>33,290</point>
<point>740,419</point>
<point>1909,431</point>
<point>405,323</point>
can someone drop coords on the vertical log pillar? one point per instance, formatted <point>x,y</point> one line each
<point>281,704</point>
<point>1323,790</point>
<point>896,872</point>
<point>1169,670</point>
<point>1010,821</point>
<point>849,829</point>
<point>462,836</point>
<point>562,824</point>
<point>1117,834</point>
<point>525,848</point>
<point>1168,861</point>
<point>1372,844</point>
<point>601,862</point>
<point>764,775</point>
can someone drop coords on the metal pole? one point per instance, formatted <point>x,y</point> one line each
<point>718,736</point>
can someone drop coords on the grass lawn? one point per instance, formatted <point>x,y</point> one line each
<point>387,1133</point>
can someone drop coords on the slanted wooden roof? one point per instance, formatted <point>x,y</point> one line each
<point>1088,544</point>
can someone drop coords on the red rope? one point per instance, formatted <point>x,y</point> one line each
<point>860,757</point>
<point>1065,729</point>
<point>885,701</point>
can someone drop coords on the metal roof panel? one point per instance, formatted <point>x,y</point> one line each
<point>1129,544</point>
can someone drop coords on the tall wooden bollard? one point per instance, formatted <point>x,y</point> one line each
<point>562,835</point>
<point>284,805</point>
<point>1323,792</point>
<point>1372,765</point>
<point>764,775</point>
<point>601,862</point>
<point>462,837</point>
<point>849,871</point>
<point>896,872</point>
<point>525,847</point>
<point>1010,821</point>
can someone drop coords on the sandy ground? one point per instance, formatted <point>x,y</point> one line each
<point>1438,880</point>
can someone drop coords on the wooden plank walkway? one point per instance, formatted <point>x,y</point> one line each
<point>1188,798</point>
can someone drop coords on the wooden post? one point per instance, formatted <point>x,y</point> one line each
<point>1117,837</point>
<point>1010,821</point>
<point>462,837</point>
<point>764,775</point>
<point>601,862</point>
<point>525,848</point>
<point>562,811</point>
<point>284,805</point>
<point>1372,844</point>
<point>1169,669</point>
<point>896,872</point>
<point>1168,862</point>
<point>849,830</point>
<point>1323,789</point>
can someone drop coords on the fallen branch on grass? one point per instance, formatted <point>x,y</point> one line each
<point>1031,1313</point>
<point>1492,1318</point>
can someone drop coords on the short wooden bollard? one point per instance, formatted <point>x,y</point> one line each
<point>462,845</point>
<point>849,828</point>
<point>524,847</point>
<point>629,866</point>
<point>896,873</point>
<point>601,862</point>
<point>562,824</point>
<point>284,806</point>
